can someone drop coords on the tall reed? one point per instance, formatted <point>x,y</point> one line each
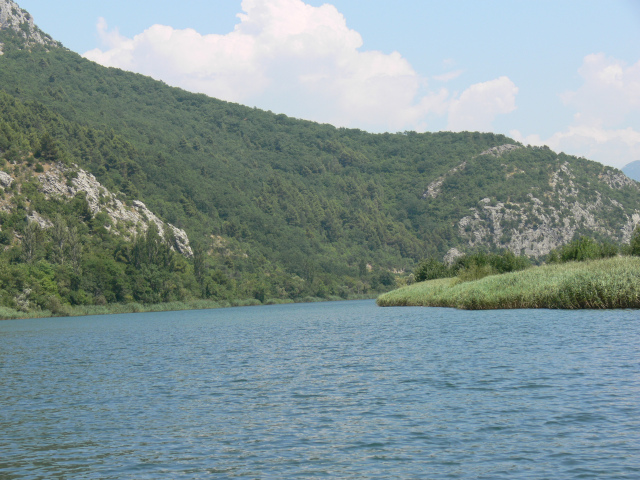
<point>606,283</point>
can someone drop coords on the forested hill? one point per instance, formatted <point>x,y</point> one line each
<point>276,198</point>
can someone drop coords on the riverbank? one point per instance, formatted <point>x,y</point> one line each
<point>117,308</point>
<point>606,283</point>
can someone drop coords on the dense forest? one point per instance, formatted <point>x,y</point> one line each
<point>275,207</point>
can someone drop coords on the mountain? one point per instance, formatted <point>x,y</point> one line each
<point>277,207</point>
<point>632,170</point>
<point>19,28</point>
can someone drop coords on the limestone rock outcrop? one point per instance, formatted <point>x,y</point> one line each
<point>132,220</point>
<point>5,180</point>
<point>15,18</point>
<point>538,226</point>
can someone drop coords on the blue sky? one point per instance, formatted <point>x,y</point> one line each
<point>561,73</point>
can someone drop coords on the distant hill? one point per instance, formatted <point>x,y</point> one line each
<point>287,208</point>
<point>632,170</point>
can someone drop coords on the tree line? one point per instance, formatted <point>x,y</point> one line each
<point>479,264</point>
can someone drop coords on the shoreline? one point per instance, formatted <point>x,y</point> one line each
<point>7,313</point>
<point>596,284</point>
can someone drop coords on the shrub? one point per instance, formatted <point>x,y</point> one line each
<point>475,272</point>
<point>634,245</point>
<point>55,305</point>
<point>581,249</point>
<point>431,269</point>
<point>508,262</point>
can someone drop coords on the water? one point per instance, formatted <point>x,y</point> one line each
<point>332,390</point>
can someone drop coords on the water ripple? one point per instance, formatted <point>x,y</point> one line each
<point>337,390</point>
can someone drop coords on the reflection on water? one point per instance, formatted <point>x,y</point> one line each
<point>337,390</point>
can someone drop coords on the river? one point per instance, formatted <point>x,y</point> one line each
<point>325,390</point>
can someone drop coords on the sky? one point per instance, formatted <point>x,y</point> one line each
<point>562,73</point>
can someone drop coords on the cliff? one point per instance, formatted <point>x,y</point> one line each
<point>58,181</point>
<point>20,22</point>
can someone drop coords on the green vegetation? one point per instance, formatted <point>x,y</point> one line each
<point>277,209</point>
<point>585,248</point>
<point>584,273</point>
<point>115,308</point>
<point>83,264</point>
<point>606,283</point>
<point>471,267</point>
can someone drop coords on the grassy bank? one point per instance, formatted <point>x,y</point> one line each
<point>82,310</point>
<point>607,283</point>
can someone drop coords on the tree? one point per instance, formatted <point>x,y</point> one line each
<point>634,244</point>
<point>199,267</point>
<point>59,238</point>
<point>151,249</point>
<point>431,269</point>
<point>585,248</point>
<point>31,241</point>
<point>75,249</point>
<point>48,149</point>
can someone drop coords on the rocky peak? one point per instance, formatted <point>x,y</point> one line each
<point>12,17</point>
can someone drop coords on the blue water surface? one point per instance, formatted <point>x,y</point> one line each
<point>326,390</point>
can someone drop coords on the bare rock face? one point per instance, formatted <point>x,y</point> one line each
<point>181,239</point>
<point>68,182</point>
<point>452,255</point>
<point>541,225</point>
<point>618,180</point>
<point>40,220</point>
<point>5,180</point>
<point>433,189</point>
<point>15,18</point>
<point>501,150</point>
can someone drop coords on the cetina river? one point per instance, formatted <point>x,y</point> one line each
<point>330,390</point>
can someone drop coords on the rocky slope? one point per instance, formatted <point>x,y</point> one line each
<point>301,198</point>
<point>56,180</point>
<point>551,218</point>
<point>14,18</point>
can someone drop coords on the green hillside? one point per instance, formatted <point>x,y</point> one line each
<point>287,208</point>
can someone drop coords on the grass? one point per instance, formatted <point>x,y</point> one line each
<point>598,284</point>
<point>7,313</point>
<point>115,308</point>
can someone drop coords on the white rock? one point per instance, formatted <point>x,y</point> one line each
<point>136,218</point>
<point>39,219</point>
<point>5,179</point>
<point>501,150</point>
<point>13,17</point>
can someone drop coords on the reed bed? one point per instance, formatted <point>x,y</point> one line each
<point>596,284</point>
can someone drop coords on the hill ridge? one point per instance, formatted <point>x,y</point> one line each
<point>287,208</point>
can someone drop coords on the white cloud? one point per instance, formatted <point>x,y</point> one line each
<point>447,77</point>
<point>283,55</point>
<point>219,65</point>
<point>610,90</point>
<point>478,105</point>
<point>615,147</point>
<point>606,102</point>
